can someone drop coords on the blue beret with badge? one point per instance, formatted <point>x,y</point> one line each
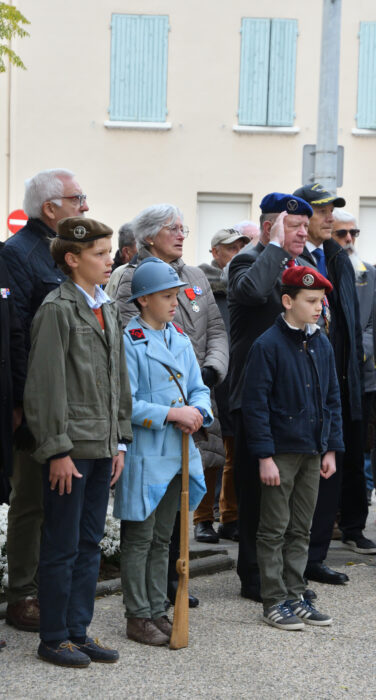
<point>275,202</point>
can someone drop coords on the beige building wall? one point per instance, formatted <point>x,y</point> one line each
<point>58,108</point>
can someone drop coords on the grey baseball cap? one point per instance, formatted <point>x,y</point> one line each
<point>226,236</point>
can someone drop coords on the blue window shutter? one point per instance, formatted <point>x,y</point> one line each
<point>282,66</point>
<point>254,68</point>
<point>366,116</point>
<point>139,67</point>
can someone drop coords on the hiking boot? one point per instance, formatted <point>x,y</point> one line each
<point>24,614</point>
<point>164,625</point>
<point>143,630</point>
<point>281,616</point>
<point>305,610</point>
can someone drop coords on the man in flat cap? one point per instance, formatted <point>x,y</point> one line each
<point>50,195</point>
<point>343,327</point>
<point>224,245</point>
<point>254,303</point>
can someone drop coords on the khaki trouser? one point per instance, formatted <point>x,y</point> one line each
<point>227,500</point>
<point>25,518</point>
<point>286,514</point>
<point>205,511</point>
<point>144,556</point>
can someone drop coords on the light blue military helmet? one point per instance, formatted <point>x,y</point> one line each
<point>153,275</point>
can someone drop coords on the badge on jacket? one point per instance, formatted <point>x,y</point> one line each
<point>4,292</point>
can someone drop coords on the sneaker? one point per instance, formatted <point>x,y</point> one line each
<point>361,544</point>
<point>305,610</point>
<point>66,654</point>
<point>282,616</point>
<point>98,652</point>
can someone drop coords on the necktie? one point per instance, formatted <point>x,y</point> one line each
<point>318,253</point>
<point>291,263</point>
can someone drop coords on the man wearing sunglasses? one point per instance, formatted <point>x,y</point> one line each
<point>342,323</point>
<point>345,232</point>
<point>50,196</point>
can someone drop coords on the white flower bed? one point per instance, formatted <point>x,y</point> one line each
<point>110,544</point>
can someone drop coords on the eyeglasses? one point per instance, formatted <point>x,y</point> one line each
<point>342,232</point>
<point>81,198</point>
<point>178,230</point>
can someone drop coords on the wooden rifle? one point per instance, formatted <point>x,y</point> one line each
<point>180,625</point>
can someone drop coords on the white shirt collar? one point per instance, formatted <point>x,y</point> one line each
<point>100,297</point>
<point>312,246</point>
<point>309,329</point>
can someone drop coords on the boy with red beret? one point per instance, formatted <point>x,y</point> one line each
<point>292,414</point>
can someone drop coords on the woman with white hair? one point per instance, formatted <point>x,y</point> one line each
<point>160,232</point>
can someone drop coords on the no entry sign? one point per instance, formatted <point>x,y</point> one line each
<point>16,220</point>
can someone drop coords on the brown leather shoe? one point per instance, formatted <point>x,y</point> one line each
<point>24,614</point>
<point>143,630</point>
<point>164,625</point>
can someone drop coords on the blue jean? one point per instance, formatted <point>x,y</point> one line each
<point>70,554</point>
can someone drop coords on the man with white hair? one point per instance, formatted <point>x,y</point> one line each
<point>345,232</point>
<point>50,196</point>
<point>249,229</point>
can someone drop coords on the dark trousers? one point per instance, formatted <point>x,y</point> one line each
<point>247,487</point>
<point>353,503</point>
<point>70,554</point>
<point>344,491</point>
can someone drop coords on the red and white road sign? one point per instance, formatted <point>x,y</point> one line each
<point>16,220</point>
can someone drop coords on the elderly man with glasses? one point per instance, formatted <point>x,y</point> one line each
<point>50,195</point>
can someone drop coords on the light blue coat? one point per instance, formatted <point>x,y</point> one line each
<point>154,457</point>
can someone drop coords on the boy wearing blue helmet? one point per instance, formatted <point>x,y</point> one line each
<point>169,397</point>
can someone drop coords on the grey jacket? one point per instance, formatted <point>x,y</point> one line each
<point>205,330</point>
<point>77,396</point>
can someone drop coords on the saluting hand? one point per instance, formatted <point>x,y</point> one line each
<point>61,472</point>
<point>269,472</point>
<point>277,231</point>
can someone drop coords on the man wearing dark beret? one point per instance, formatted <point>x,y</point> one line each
<point>345,334</point>
<point>254,303</point>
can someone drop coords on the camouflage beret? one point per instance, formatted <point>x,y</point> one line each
<point>79,229</point>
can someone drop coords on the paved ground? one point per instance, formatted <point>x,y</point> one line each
<point>232,653</point>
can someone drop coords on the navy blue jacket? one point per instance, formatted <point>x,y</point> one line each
<point>32,270</point>
<point>291,399</point>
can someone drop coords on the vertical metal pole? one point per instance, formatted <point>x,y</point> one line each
<point>327,126</point>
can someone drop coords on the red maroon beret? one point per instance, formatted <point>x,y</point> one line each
<point>305,278</point>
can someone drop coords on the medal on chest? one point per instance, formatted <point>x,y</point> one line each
<point>191,293</point>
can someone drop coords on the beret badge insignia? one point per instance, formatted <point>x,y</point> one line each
<point>308,280</point>
<point>292,205</point>
<point>79,232</point>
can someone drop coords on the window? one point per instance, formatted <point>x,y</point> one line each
<point>139,68</point>
<point>366,116</point>
<point>267,72</point>
<point>216,210</point>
